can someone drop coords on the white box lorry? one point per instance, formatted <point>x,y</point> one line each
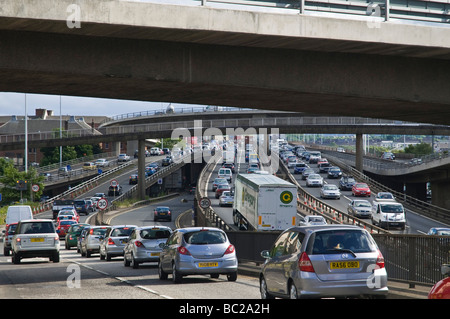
<point>15,214</point>
<point>264,202</point>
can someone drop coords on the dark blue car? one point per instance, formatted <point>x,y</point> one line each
<point>346,183</point>
<point>299,168</point>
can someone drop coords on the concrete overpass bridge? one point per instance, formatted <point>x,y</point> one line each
<point>141,126</point>
<point>300,61</point>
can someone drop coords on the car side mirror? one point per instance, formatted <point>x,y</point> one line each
<point>265,254</point>
<point>445,269</point>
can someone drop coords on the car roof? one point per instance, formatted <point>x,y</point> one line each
<point>323,227</point>
<point>193,229</point>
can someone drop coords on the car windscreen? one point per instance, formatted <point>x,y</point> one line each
<point>155,233</point>
<point>333,241</point>
<point>36,228</point>
<point>391,208</point>
<point>205,237</point>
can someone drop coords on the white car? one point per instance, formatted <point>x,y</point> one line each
<point>314,180</point>
<point>226,199</point>
<point>102,162</point>
<point>123,158</point>
<point>35,238</point>
<point>330,191</point>
<point>310,220</point>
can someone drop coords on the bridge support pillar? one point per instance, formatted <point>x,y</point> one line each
<point>115,148</point>
<point>359,155</point>
<point>141,169</point>
<point>440,194</point>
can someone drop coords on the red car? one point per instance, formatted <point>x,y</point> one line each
<point>361,189</point>
<point>63,226</point>
<point>221,188</point>
<point>441,290</point>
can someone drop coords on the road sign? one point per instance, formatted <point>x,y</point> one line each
<point>35,188</point>
<point>102,203</point>
<point>21,185</point>
<point>114,183</point>
<point>205,202</point>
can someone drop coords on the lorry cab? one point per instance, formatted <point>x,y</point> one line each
<point>388,214</point>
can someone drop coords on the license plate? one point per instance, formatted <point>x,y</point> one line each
<point>154,254</point>
<point>37,240</point>
<point>202,265</point>
<point>344,264</point>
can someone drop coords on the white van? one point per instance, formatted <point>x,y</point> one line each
<point>388,214</point>
<point>225,173</point>
<point>18,213</point>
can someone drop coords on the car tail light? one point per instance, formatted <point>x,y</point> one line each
<point>138,243</point>
<point>18,240</point>
<point>229,250</point>
<point>110,241</point>
<point>169,212</point>
<point>182,250</point>
<point>304,263</point>
<point>380,260</point>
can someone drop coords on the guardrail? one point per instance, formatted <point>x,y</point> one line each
<point>379,11</point>
<point>315,206</point>
<point>425,208</point>
<point>83,187</point>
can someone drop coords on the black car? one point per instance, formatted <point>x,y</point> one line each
<point>162,212</point>
<point>167,161</point>
<point>115,190</point>
<point>346,183</point>
<point>334,172</point>
<point>133,179</point>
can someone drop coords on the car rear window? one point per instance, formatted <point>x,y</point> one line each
<point>155,233</point>
<point>205,237</point>
<point>330,241</point>
<point>67,222</point>
<point>98,231</point>
<point>122,232</point>
<point>36,228</point>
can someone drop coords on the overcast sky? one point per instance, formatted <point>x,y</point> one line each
<point>14,104</point>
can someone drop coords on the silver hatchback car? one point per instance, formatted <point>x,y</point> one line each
<point>90,242</point>
<point>323,261</point>
<point>198,251</point>
<point>143,245</point>
<point>114,241</point>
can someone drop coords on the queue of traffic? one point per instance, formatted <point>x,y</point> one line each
<point>310,258</point>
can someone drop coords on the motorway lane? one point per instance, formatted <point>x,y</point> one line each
<point>104,280</point>
<point>415,223</point>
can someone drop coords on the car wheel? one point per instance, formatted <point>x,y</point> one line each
<point>293,291</point>
<point>176,276</point>
<point>263,289</point>
<point>15,258</point>
<point>162,274</point>
<point>134,263</point>
<point>126,262</point>
<point>232,276</point>
<point>55,258</point>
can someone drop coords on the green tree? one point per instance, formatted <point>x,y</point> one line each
<point>419,149</point>
<point>9,182</point>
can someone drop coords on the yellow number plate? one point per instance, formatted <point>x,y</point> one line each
<point>37,240</point>
<point>154,254</point>
<point>208,264</point>
<point>344,264</point>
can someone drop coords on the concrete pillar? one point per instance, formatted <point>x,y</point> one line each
<point>141,169</point>
<point>115,146</point>
<point>440,194</point>
<point>359,156</point>
<point>131,147</point>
